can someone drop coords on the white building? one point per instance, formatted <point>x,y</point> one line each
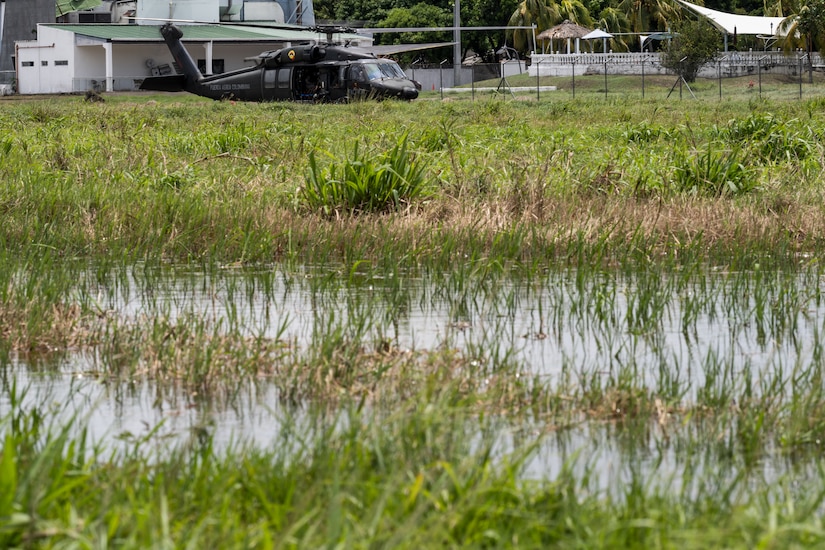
<point>77,58</point>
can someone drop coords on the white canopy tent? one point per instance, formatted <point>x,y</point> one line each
<point>596,34</point>
<point>731,23</point>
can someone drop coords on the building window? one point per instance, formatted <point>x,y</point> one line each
<point>217,66</point>
<point>28,63</point>
<point>94,17</point>
<point>44,63</point>
<point>63,63</point>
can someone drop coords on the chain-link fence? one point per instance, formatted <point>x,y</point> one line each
<point>767,74</point>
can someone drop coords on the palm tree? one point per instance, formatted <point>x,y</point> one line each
<point>615,21</point>
<point>648,15</point>
<point>805,28</point>
<point>529,13</point>
<point>779,8</point>
<point>574,11</point>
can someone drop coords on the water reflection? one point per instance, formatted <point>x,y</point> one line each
<point>679,334</point>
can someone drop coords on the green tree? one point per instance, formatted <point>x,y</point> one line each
<point>694,44</point>
<point>575,11</point>
<point>379,13</point>
<point>368,12</point>
<point>780,8</point>
<point>649,15</point>
<point>485,13</point>
<point>805,28</point>
<point>615,22</point>
<point>420,15</point>
<point>528,13</point>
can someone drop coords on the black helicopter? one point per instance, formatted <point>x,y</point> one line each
<point>310,73</point>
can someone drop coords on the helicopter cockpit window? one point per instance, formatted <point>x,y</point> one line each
<point>373,72</point>
<point>377,71</point>
<point>358,73</point>
<point>393,69</point>
<point>269,78</point>
<point>283,77</point>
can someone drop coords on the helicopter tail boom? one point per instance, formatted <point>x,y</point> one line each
<point>168,83</point>
<point>172,35</point>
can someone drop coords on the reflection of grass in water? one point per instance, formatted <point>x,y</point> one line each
<point>352,353</point>
<point>417,475</point>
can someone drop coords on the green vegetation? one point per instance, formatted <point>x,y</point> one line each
<point>695,44</point>
<point>621,300</point>
<point>370,182</point>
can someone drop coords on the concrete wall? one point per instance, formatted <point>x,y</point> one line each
<point>431,77</point>
<point>20,23</point>
<point>729,64</point>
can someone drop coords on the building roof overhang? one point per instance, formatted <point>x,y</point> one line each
<point>131,34</point>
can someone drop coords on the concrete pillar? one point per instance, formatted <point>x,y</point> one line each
<point>208,48</point>
<point>110,79</point>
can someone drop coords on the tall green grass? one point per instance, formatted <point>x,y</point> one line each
<point>356,478</point>
<point>212,182</point>
<point>367,182</point>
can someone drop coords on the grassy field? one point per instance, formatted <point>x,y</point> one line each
<point>609,215</point>
<point>226,181</point>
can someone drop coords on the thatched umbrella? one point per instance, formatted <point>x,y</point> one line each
<point>563,31</point>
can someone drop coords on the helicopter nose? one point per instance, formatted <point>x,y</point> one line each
<point>408,92</point>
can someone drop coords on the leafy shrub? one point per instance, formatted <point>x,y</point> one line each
<point>715,172</point>
<point>643,133</point>
<point>770,138</point>
<point>382,182</point>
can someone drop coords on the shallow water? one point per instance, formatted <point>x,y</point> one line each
<point>652,322</point>
<point>665,330</point>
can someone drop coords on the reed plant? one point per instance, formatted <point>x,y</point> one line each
<point>367,182</point>
<point>713,172</point>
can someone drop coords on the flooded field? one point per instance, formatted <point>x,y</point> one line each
<point>484,324</point>
<point>610,372</point>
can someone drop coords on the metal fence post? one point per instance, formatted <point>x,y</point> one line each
<point>605,76</point>
<point>441,76</point>
<point>643,78</point>
<point>574,79</point>
<point>759,72</point>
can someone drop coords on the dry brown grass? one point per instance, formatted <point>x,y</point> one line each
<point>665,224</point>
<point>63,327</point>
